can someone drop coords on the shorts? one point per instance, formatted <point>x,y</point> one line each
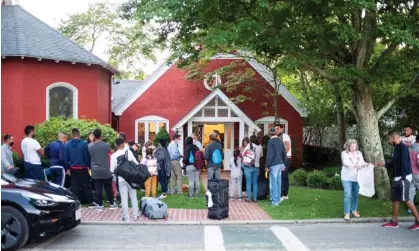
<point>400,190</point>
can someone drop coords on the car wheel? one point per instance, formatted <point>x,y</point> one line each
<point>14,229</point>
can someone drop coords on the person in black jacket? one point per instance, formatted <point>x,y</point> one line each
<point>402,178</point>
<point>193,173</point>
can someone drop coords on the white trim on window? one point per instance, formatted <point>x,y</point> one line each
<point>265,121</point>
<point>147,120</point>
<point>75,97</point>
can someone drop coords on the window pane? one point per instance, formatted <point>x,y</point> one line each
<point>151,130</point>
<point>210,112</point>
<point>212,102</point>
<point>233,114</point>
<point>222,112</point>
<point>61,102</point>
<point>198,114</point>
<point>162,125</point>
<point>141,133</point>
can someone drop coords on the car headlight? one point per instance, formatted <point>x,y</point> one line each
<point>39,200</point>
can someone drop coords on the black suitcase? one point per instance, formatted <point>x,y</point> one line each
<point>220,199</point>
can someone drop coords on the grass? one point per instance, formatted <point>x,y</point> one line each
<point>308,203</point>
<point>182,200</point>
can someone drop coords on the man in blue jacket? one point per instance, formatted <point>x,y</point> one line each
<point>55,153</point>
<point>77,159</point>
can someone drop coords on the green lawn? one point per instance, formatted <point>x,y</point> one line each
<point>182,200</point>
<point>307,203</point>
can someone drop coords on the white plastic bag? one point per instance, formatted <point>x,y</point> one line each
<point>366,181</point>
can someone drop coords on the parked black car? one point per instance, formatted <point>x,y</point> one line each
<point>32,208</point>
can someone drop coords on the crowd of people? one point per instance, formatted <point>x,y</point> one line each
<point>95,160</point>
<point>405,164</point>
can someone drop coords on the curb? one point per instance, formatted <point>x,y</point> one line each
<point>250,222</point>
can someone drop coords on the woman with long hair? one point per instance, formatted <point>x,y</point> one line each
<point>251,163</point>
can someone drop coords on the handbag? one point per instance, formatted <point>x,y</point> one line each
<point>130,171</point>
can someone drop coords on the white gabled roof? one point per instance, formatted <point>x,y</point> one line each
<point>259,68</point>
<point>227,101</point>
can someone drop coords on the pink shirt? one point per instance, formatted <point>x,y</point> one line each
<point>414,161</point>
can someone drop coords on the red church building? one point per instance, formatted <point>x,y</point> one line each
<point>44,74</point>
<point>166,99</point>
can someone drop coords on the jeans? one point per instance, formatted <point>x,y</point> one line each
<point>285,186</point>
<point>125,189</point>
<point>275,183</point>
<point>99,184</point>
<point>351,195</point>
<point>176,177</point>
<point>413,187</point>
<point>251,174</point>
<point>33,171</point>
<point>233,183</point>
<point>214,173</point>
<point>55,174</point>
<point>163,180</point>
<point>193,179</point>
<point>151,186</point>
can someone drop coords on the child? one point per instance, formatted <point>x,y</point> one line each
<point>236,175</point>
<point>124,188</point>
<point>151,162</point>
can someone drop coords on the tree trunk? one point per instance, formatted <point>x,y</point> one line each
<point>340,115</point>
<point>370,136</point>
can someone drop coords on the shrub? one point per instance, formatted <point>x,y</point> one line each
<point>335,183</point>
<point>163,134</point>
<point>300,177</point>
<point>47,131</point>
<point>331,171</point>
<point>316,179</point>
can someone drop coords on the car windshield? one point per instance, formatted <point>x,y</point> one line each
<point>8,178</point>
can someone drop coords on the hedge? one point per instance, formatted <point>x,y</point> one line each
<point>316,179</point>
<point>47,131</point>
<point>300,177</point>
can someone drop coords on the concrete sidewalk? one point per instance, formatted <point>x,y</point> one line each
<point>145,221</point>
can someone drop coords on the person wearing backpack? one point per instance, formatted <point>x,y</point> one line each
<point>251,163</point>
<point>151,162</point>
<point>214,156</point>
<point>193,166</point>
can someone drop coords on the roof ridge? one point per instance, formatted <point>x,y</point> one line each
<point>56,31</point>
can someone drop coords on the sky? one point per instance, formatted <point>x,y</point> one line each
<point>53,11</point>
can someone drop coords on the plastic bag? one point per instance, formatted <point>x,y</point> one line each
<point>366,181</point>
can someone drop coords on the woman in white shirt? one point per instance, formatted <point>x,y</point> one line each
<point>352,161</point>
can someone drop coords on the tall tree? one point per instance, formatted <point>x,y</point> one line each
<point>350,41</point>
<point>126,42</point>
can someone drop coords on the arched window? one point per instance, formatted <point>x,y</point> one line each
<point>62,100</point>
<point>146,128</point>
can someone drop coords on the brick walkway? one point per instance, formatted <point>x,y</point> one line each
<point>239,210</point>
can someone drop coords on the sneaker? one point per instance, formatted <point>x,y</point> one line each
<point>113,206</point>
<point>274,204</point>
<point>231,198</point>
<point>409,211</point>
<point>123,219</point>
<point>93,205</point>
<point>163,196</point>
<point>179,192</point>
<point>347,217</point>
<point>240,198</point>
<point>391,224</point>
<point>99,208</point>
<point>135,218</point>
<point>248,200</point>
<point>284,198</point>
<point>415,226</point>
<point>254,201</point>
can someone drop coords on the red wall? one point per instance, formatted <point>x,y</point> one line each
<point>172,97</point>
<point>24,83</point>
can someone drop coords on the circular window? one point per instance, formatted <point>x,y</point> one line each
<point>212,81</point>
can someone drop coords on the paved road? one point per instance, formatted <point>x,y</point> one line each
<point>232,237</point>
